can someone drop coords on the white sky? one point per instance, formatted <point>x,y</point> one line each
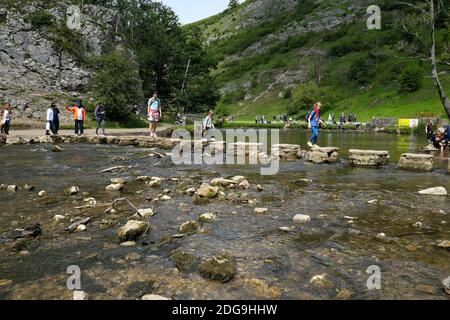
<point>194,10</point>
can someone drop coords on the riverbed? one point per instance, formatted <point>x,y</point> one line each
<point>348,207</point>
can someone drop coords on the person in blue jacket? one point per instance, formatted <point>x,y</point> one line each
<point>314,122</point>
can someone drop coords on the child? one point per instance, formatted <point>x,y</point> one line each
<point>314,122</point>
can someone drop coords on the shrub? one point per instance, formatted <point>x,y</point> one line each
<point>411,79</point>
<point>41,19</point>
<point>307,95</point>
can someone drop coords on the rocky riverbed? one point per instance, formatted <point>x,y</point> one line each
<point>225,232</point>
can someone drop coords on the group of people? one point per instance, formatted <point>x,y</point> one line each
<point>439,139</point>
<point>5,118</point>
<point>351,118</point>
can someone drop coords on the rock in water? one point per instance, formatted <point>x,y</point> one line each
<point>238,179</point>
<point>207,217</point>
<point>114,187</point>
<point>301,218</point>
<point>12,188</point>
<point>132,230</point>
<point>57,149</point>
<point>42,193</point>
<point>206,191</point>
<point>321,281</point>
<point>72,191</point>
<point>79,295</point>
<point>146,213</point>
<point>189,227</point>
<point>244,184</point>
<point>222,269</point>
<point>118,181</point>
<point>439,191</point>
<point>446,284</point>
<point>444,244</point>
<point>261,210</point>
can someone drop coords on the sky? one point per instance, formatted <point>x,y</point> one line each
<point>193,10</point>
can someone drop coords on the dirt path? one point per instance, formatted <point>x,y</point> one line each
<point>112,132</point>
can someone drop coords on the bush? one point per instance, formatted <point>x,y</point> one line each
<point>361,71</point>
<point>411,79</point>
<point>233,97</point>
<point>222,111</point>
<point>41,19</point>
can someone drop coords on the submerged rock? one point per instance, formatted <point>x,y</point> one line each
<point>132,230</point>
<point>438,191</point>
<point>220,182</point>
<point>189,227</point>
<point>183,261</point>
<point>222,269</point>
<point>114,187</point>
<point>261,289</point>
<point>57,149</point>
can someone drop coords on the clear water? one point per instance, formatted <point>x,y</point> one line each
<point>285,262</point>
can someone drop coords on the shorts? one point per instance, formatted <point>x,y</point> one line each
<point>153,117</point>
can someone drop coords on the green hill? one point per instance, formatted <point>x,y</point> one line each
<point>278,56</point>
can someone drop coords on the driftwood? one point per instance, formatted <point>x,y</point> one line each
<point>113,169</point>
<point>75,225</point>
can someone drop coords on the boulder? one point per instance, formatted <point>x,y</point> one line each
<point>368,158</point>
<point>114,187</point>
<point>417,162</point>
<point>244,184</point>
<point>439,191</point>
<point>132,230</point>
<point>288,152</point>
<point>206,191</point>
<point>238,179</point>
<point>301,218</point>
<point>324,155</point>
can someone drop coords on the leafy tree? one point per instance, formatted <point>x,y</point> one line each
<point>233,4</point>
<point>411,79</point>
<point>116,84</point>
<point>306,95</point>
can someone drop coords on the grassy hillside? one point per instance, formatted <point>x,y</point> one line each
<point>266,67</point>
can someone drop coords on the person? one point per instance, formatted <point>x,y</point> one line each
<point>79,116</point>
<point>447,132</point>
<point>100,118</point>
<point>6,118</point>
<point>154,113</point>
<point>55,118</point>
<point>314,122</point>
<point>179,119</point>
<point>429,130</point>
<point>208,122</point>
<point>439,140</point>
<point>49,125</point>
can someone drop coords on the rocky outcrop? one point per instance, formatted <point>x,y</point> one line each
<point>324,155</point>
<point>33,70</point>
<point>368,158</point>
<point>418,162</point>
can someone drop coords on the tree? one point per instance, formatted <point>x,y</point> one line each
<point>233,4</point>
<point>420,24</point>
<point>116,84</point>
<point>411,79</point>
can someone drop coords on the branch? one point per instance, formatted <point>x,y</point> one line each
<point>115,202</point>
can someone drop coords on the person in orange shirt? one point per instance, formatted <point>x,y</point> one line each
<point>79,116</point>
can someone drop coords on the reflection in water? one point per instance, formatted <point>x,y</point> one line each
<point>339,241</point>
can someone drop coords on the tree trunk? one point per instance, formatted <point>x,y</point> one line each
<point>444,99</point>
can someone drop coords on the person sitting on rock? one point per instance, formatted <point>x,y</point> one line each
<point>439,140</point>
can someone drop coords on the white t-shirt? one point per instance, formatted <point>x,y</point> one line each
<point>49,114</point>
<point>80,113</point>
<point>6,115</point>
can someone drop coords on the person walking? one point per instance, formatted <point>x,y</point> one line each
<point>79,116</point>
<point>429,130</point>
<point>100,114</point>
<point>314,122</point>
<point>55,118</point>
<point>6,118</point>
<point>208,123</point>
<point>49,125</point>
<point>154,113</point>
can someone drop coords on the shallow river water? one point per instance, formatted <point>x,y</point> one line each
<point>340,241</point>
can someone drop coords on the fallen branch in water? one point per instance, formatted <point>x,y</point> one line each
<point>75,225</point>
<point>115,202</point>
<point>113,169</point>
